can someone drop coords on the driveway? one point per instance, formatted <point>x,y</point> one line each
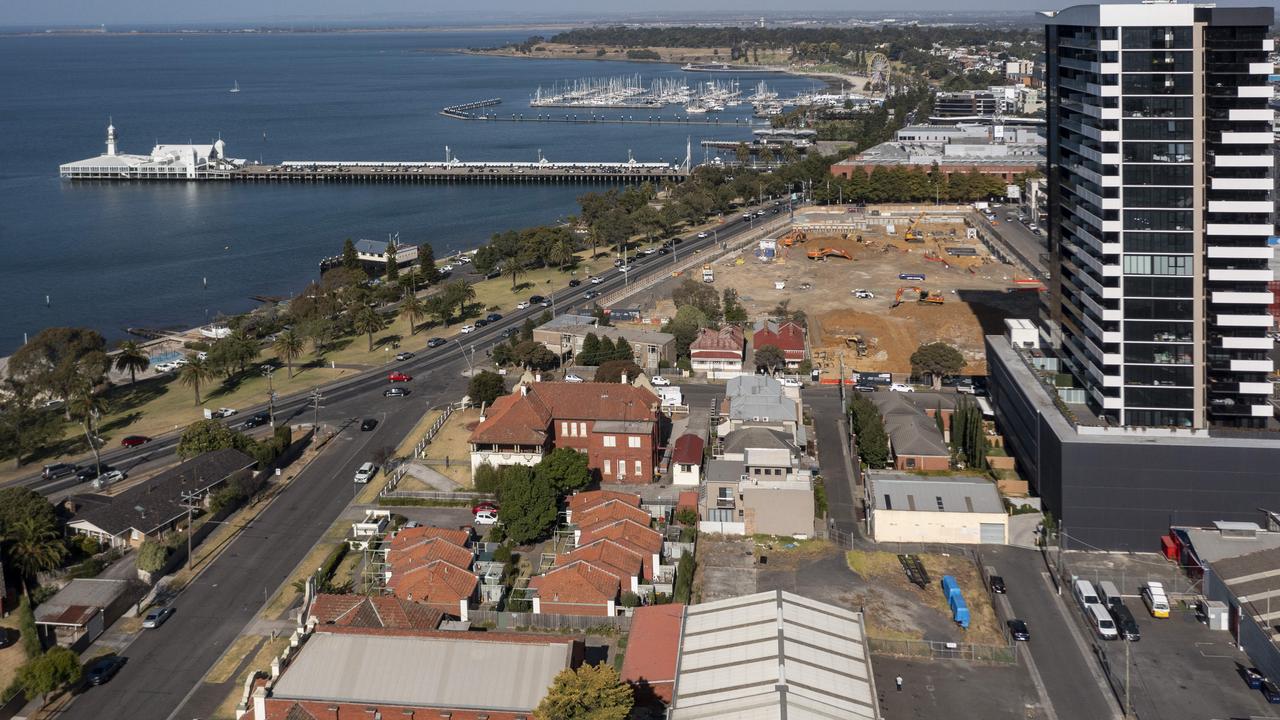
<point>842,491</point>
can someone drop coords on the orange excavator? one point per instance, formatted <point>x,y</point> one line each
<point>928,297</point>
<point>795,236</point>
<point>826,252</point>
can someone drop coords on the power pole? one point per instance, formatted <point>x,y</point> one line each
<point>267,370</point>
<point>190,501</point>
<point>315,398</point>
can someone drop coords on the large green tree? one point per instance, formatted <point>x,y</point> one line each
<point>564,469</point>
<point>350,260</point>
<point>204,436</point>
<point>938,360</point>
<point>485,387</point>
<point>528,507</point>
<point>427,261</point>
<point>868,426</point>
<point>591,692</point>
<point>769,357</point>
<point>55,669</point>
<point>54,361</point>
<point>132,358</point>
<point>24,428</point>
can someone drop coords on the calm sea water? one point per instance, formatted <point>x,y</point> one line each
<point>111,256</point>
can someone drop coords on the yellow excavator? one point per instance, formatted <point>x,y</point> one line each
<point>911,234</point>
<point>928,297</point>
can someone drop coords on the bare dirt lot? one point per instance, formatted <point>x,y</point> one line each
<point>977,292</point>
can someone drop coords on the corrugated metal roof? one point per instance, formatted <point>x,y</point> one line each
<point>773,655</point>
<point>424,671</point>
<point>941,493</point>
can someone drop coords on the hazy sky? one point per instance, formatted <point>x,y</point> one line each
<point>135,12</point>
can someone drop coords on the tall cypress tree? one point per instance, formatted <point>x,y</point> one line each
<point>350,260</point>
<point>427,261</point>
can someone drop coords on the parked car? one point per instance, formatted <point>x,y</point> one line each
<point>573,378</point>
<point>901,387</point>
<point>8,637</point>
<point>1271,692</point>
<point>369,424</point>
<point>222,413</point>
<point>659,381</point>
<point>484,505</point>
<point>135,440</point>
<point>102,670</point>
<point>509,332</point>
<point>486,517</point>
<point>399,377</point>
<point>703,235</point>
<point>493,317</point>
<point>1018,630</point>
<point>539,300</point>
<point>395,392</point>
<point>258,419</point>
<point>791,383</point>
<point>864,388</point>
<point>1126,624</point>
<point>436,342</point>
<point>997,585</point>
<point>467,329</point>
<point>57,470</point>
<point>481,323</point>
<point>109,477</point>
<point>522,304</point>
<point>863,294</point>
<point>89,472</point>
<point>575,282</point>
<point>156,617</point>
<point>597,280</point>
<point>365,472</point>
<point>402,356</point>
<point>624,268</point>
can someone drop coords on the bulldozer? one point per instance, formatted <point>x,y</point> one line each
<point>911,234</point>
<point>795,236</point>
<point>826,252</point>
<point>927,297</point>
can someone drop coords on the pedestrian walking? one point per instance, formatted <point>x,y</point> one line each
<point>898,681</point>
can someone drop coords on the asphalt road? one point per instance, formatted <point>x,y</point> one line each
<point>1065,671</point>
<point>166,665</point>
<point>842,498</point>
<point>1030,245</point>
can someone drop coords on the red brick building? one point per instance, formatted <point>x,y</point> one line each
<point>787,337</point>
<point>616,425</point>
<point>372,611</point>
<point>432,566</point>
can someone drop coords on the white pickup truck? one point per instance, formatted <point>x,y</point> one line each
<point>707,275</point>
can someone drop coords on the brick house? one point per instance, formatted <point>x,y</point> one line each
<point>579,588</point>
<point>616,425</point>
<point>372,611</point>
<point>718,354</point>
<point>432,566</point>
<point>787,337</point>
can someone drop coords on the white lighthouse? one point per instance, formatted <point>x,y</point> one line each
<point>111,139</point>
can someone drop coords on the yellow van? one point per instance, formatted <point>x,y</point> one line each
<point>1156,601</point>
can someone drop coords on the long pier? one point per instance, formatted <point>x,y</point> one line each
<point>455,172</point>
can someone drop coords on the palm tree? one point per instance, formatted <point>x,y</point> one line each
<point>413,308</point>
<point>560,253</point>
<point>34,547</point>
<point>87,407</point>
<point>459,293</point>
<point>368,321</point>
<point>288,346</point>
<point>132,358</point>
<point>790,153</point>
<point>195,372</point>
<point>743,153</point>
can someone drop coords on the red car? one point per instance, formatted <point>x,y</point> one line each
<point>484,505</point>
<point>135,440</point>
<point>399,377</point>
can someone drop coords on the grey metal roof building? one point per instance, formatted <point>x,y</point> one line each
<point>462,672</point>
<point>773,655</point>
<point>892,490</point>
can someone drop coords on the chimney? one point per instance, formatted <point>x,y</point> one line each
<point>524,390</point>
<point>624,378</point>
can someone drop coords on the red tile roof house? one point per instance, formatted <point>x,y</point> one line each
<point>347,673</point>
<point>686,460</point>
<point>652,650</point>
<point>718,354</point>
<point>372,611</point>
<point>432,566</point>
<point>616,425</point>
<point>787,337</point>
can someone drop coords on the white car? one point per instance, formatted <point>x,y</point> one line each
<point>624,268</point>
<point>901,387</point>
<point>166,367</point>
<point>522,304</point>
<point>597,280</point>
<point>703,235</point>
<point>467,329</point>
<point>365,472</point>
<point>659,381</point>
<point>648,251</point>
<point>863,294</point>
<point>447,268</point>
<point>109,477</point>
<point>791,382</point>
<point>573,378</point>
<point>486,517</point>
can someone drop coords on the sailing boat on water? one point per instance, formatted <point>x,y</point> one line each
<point>235,87</point>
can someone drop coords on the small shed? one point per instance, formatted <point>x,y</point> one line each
<point>81,610</point>
<point>686,460</point>
<point>962,509</point>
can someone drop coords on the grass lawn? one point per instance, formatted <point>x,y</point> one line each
<point>450,442</point>
<point>270,649</point>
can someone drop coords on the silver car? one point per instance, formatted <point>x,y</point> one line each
<point>157,617</point>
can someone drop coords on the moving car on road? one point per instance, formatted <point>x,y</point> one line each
<point>157,617</point>
<point>597,280</point>
<point>659,381</point>
<point>135,440</point>
<point>369,424</point>
<point>436,342</point>
<point>399,377</point>
<point>571,378</point>
<point>493,317</point>
<point>467,329</point>
<point>57,470</point>
<point>366,472</point>
<point>257,419</point>
<point>404,356</point>
<point>901,387</point>
<point>395,392</point>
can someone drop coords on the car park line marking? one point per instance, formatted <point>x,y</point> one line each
<point>1200,648</point>
<point>1081,645</point>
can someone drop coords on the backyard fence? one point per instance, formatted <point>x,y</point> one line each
<point>420,450</point>
<point>548,621</point>
<point>439,495</point>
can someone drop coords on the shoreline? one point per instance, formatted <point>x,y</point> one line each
<point>420,29</point>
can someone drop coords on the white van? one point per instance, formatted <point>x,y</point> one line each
<point>1101,621</point>
<point>366,472</point>
<point>1085,594</point>
<point>1109,594</point>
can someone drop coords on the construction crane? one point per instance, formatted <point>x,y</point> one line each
<point>826,252</point>
<point>928,297</point>
<point>912,235</point>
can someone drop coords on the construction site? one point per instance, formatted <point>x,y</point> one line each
<point>877,283</point>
